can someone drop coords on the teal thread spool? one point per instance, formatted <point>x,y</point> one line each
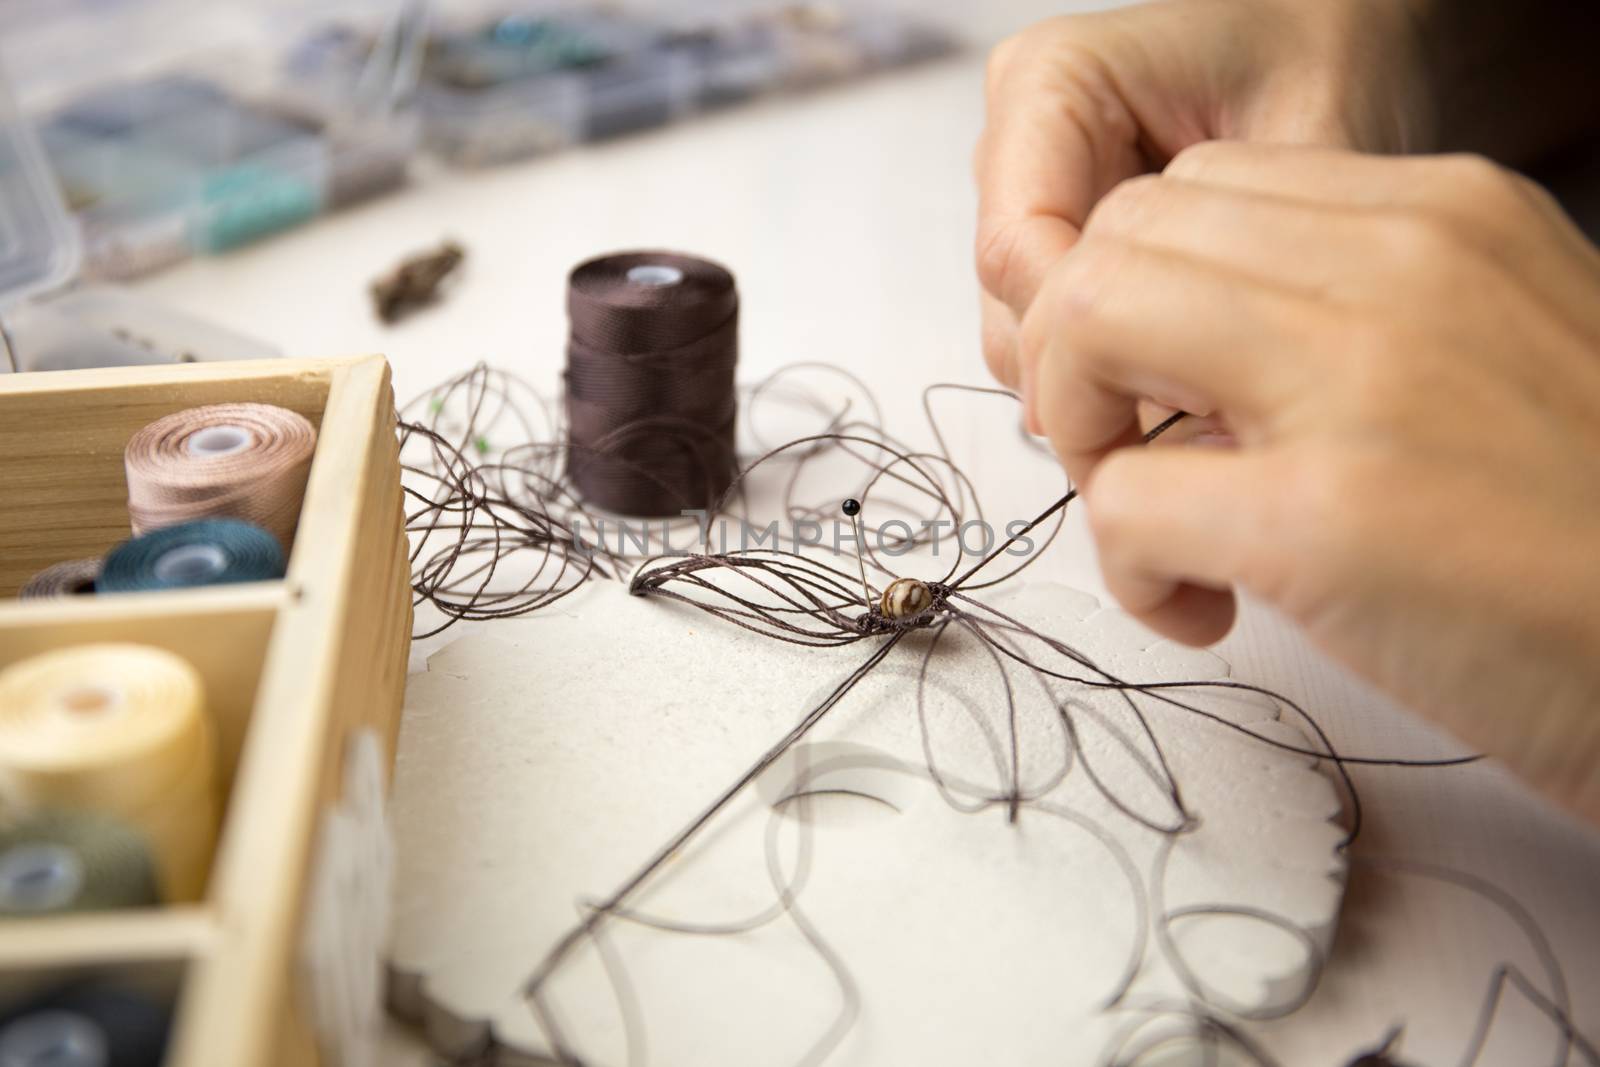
<point>55,862</point>
<point>208,552</point>
<point>89,1025</point>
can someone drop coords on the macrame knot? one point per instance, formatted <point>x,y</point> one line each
<point>906,604</point>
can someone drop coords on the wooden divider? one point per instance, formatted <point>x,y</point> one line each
<point>292,668</point>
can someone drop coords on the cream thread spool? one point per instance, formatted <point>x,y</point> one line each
<point>235,461</point>
<point>117,729</point>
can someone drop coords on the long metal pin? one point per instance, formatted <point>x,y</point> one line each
<point>852,508</point>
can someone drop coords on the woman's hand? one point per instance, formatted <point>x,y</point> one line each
<point>1407,354</point>
<point>1078,104</point>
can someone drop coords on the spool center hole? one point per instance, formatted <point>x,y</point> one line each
<point>88,700</point>
<point>655,275</point>
<point>191,564</point>
<point>55,1039</point>
<point>39,877</point>
<point>219,441</point>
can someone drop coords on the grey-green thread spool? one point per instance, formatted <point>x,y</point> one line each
<point>56,862</point>
<point>36,877</point>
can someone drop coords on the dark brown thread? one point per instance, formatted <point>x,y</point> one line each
<point>812,603</point>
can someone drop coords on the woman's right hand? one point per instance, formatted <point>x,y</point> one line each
<point>1078,104</point>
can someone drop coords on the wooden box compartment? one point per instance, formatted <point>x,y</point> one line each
<point>154,979</point>
<point>291,669</point>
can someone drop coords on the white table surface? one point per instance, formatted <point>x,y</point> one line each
<point>847,217</point>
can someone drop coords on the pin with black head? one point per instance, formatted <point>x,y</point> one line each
<point>905,598</point>
<point>1382,1055</point>
<point>852,509</point>
<point>1373,1059</point>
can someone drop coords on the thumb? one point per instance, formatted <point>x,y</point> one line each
<point>1175,528</point>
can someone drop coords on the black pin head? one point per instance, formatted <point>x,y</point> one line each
<point>1380,1056</point>
<point>852,507</point>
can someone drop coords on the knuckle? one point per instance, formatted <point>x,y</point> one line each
<point>1077,59</point>
<point>999,354</point>
<point>1065,323</point>
<point>1315,493</point>
<point>1480,183</point>
<point>1075,281</point>
<point>1199,160</point>
<point>1333,504</point>
<point>1012,51</point>
<point>1033,338</point>
<point>1422,240</point>
<point>1534,193</point>
<point>1114,500</point>
<point>997,249</point>
<point>1374,377</point>
<point>1128,205</point>
<point>999,63</point>
<point>1392,368</point>
<point>1064,50</point>
<point>1314,519</point>
<point>1001,57</point>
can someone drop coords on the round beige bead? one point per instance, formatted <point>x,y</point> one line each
<point>906,598</point>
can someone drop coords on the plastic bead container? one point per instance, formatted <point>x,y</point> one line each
<point>173,127</point>
<point>51,328</point>
<point>513,83</point>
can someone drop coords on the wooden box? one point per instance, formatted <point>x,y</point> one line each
<point>291,668</point>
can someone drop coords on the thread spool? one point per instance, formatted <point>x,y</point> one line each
<point>87,1026</point>
<point>236,461</point>
<point>120,730</point>
<point>209,552</point>
<point>74,577</point>
<point>650,394</point>
<point>55,862</point>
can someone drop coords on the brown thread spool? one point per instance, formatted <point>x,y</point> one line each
<point>236,461</point>
<point>650,392</point>
<point>73,577</point>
